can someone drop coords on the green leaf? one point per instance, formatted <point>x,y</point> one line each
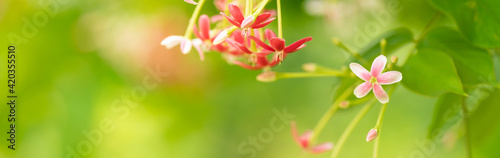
<point>395,39</point>
<point>484,121</point>
<point>447,107</point>
<point>432,73</point>
<point>478,20</point>
<point>474,65</point>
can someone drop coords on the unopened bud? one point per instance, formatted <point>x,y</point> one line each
<point>371,135</point>
<point>267,77</point>
<point>344,104</point>
<point>309,67</point>
<point>336,41</point>
<point>221,37</point>
<point>394,59</point>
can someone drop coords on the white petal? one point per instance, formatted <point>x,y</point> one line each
<point>171,41</point>
<point>389,77</point>
<point>380,94</point>
<point>186,46</point>
<point>221,37</point>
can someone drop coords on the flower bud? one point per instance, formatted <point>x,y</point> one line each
<point>394,59</point>
<point>172,41</point>
<point>344,104</point>
<point>309,67</point>
<point>186,46</point>
<point>267,77</point>
<point>371,135</point>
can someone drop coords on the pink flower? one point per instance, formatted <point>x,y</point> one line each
<point>375,78</point>
<point>172,41</point>
<point>191,2</point>
<point>304,141</point>
<point>238,20</point>
<point>278,44</point>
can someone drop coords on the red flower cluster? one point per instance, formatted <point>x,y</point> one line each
<point>242,44</point>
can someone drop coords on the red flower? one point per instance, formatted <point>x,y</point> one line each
<point>278,44</point>
<point>304,141</point>
<point>238,20</point>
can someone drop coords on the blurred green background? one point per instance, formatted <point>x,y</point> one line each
<point>79,68</point>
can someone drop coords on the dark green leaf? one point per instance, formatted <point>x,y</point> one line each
<point>478,20</point>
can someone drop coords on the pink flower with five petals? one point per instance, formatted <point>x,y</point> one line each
<point>375,78</point>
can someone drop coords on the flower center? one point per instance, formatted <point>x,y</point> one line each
<point>373,80</point>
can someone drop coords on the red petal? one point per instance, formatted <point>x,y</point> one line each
<point>262,44</point>
<point>261,18</point>
<point>204,24</point>
<point>196,32</point>
<point>262,61</point>
<point>243,48</point>
<point>262,24</point>
<point>237,36</point>
<point>231,20</point>
<point>236,12</point>
<point>246,66</point>
<point>277,43</point>
<point>270,34</point>
<point>293,47</point>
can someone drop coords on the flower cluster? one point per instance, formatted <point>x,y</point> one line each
<point>240,38</point>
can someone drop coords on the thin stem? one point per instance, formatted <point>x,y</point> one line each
<point>261,7</point>
<point>307,74</point>
<point>350,127</point>
<point>356,55</point>
<point>468,147</point>
<point>326,117</point>
<point>192,20</point>
<point>280,27</point>
<point>247,7</point>
<point>378,125</point>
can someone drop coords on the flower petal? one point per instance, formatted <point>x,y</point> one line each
<point>172,41</point>
<point>246,66</point>
<point>305,138</point>
<point>380,93</point>
<point>236,12</point>
<point>270,34</point>
<point>295,45</point>
<point>186,46</point>
<point>261,18</point>
<point>191,2</point>
<point>389,77</point>
<point>197,45</point>
<point>221,37</point>
<point>277,43</point>
<point>247,22</point>
<point>322,148</point>
<point>262,24</point>
<point>262,44</point>
<point>204,24</point>
<point>231,20</point>
<point>360,71</point>
<point>378,65</point>
<point>363,89</point>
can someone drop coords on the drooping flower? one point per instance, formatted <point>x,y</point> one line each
<point>278,44</point>
<point>251,21</point>
<point>174,40</point>
<point>304,141</point>
<point>375,78</point>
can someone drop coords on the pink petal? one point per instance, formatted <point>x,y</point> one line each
<point>360,71</point>
<point>247,22</point>
<point>204,24</point>
<point>277,43</point>
<point>243,48</point>
<point>270,34</point>
<point>295,134</point>
<point>295,45</point>
<point>321,148</point>
<point>236,12</point>
<point>186,46</point>
<point>221,37</point>
<point>389,77</point>
<point>216,18</point>
<point>380,93</point>
<point>191,2</point>
<point>371,135</point>
<point>378,65</point>
<point>305,138</point>
<point>262,44</point>
<point>363,89</point>
<point>197,45</point>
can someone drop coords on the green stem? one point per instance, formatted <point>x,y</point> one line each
<point>280,27</point>
<point>189,30</point>
<point>280,75</point>
<point>468,147</point>
<point>328,115</point>
<point>339,44</point>
<point>350,127</point>
<point>378,125</point>
<point>261,7</point>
